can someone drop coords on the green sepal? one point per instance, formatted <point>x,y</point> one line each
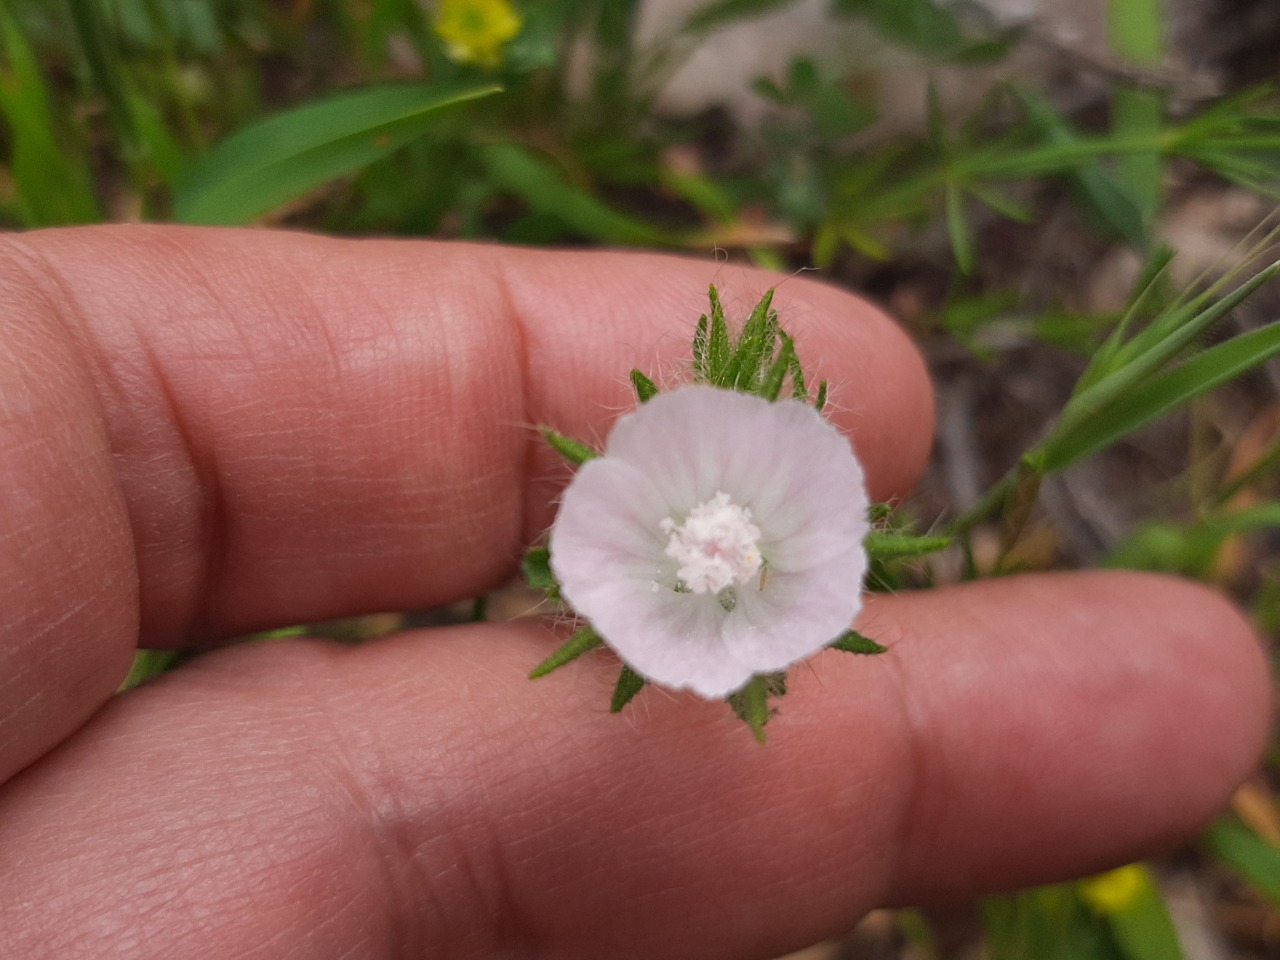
<point>892,545</point>
<point>822,397</point>
<point>575,451</point>
<point>583,639</point>
<point>645,388</point>
<point>771,386</point>
<point>751,703</point>
<point>851,641</point>
<point>718,345</point>
<point>755,347</point>
<point>700,358</point>
<point>629,684</point>
<point>536,567</point>
<point>880,512</point>
<point>799,390</point>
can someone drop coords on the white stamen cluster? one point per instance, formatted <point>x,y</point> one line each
<point>717,546</point>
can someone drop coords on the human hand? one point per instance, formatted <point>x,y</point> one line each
<point>206,433</point>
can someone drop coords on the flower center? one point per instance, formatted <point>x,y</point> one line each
<point>717,546</point>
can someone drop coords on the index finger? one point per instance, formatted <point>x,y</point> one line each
<point>270,428</point>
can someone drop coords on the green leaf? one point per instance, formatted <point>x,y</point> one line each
<point>645,388</point>
<point>1093,187</point>
<point>1135,30</point>
<point>1248,854</point>
<point>851,641</point>
<point>536,567</point>
<point>546,190</point>
<point>52,181</point>
<point>1148,351</point>
<point>572,450</point>
<point>1153,399</point>
<point>958,230</point>
<point>1136,114</point>
<point>629,684</point>
<point>279,159</point>
<point>1131,903</point>
<point>583,640</point>
<point>891,544</point>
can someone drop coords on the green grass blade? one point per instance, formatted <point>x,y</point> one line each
<point>1131,902</point>
<point>1138,114</point>
<point>1154,398</point>
<point>546,190</point>
<point>1248,854</point>
<point>1148,285</point>
<point>1135,32</point>
<point>1093,187</point>
<point>52,182</point>
<point>1155,346</point>
<point>279,159</point>
<point>958,230</point>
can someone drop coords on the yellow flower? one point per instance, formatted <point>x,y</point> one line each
<point>474,31</point>
<point>1115,890</point>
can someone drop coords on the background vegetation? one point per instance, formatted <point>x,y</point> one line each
<point>1087,274</point>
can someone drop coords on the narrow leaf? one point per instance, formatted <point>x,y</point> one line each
<point>1153,399</point>
<point>546,190</point>
<point>821,402</point>
<point>575,451</point>
<point>583,639</point>
<point>1151,349</point>
<point>279,159</point>
<point>1248,854</point>
<point>958,230</point>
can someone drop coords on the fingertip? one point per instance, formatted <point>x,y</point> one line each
<point>588,320</point>
<point>1088,719</point>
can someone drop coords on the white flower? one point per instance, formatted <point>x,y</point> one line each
<point>719,536</point>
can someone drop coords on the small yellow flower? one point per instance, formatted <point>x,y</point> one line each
<point>1113,891</point>
<point>474,31</point>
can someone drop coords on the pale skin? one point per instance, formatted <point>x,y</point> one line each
<point>209,433</point>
